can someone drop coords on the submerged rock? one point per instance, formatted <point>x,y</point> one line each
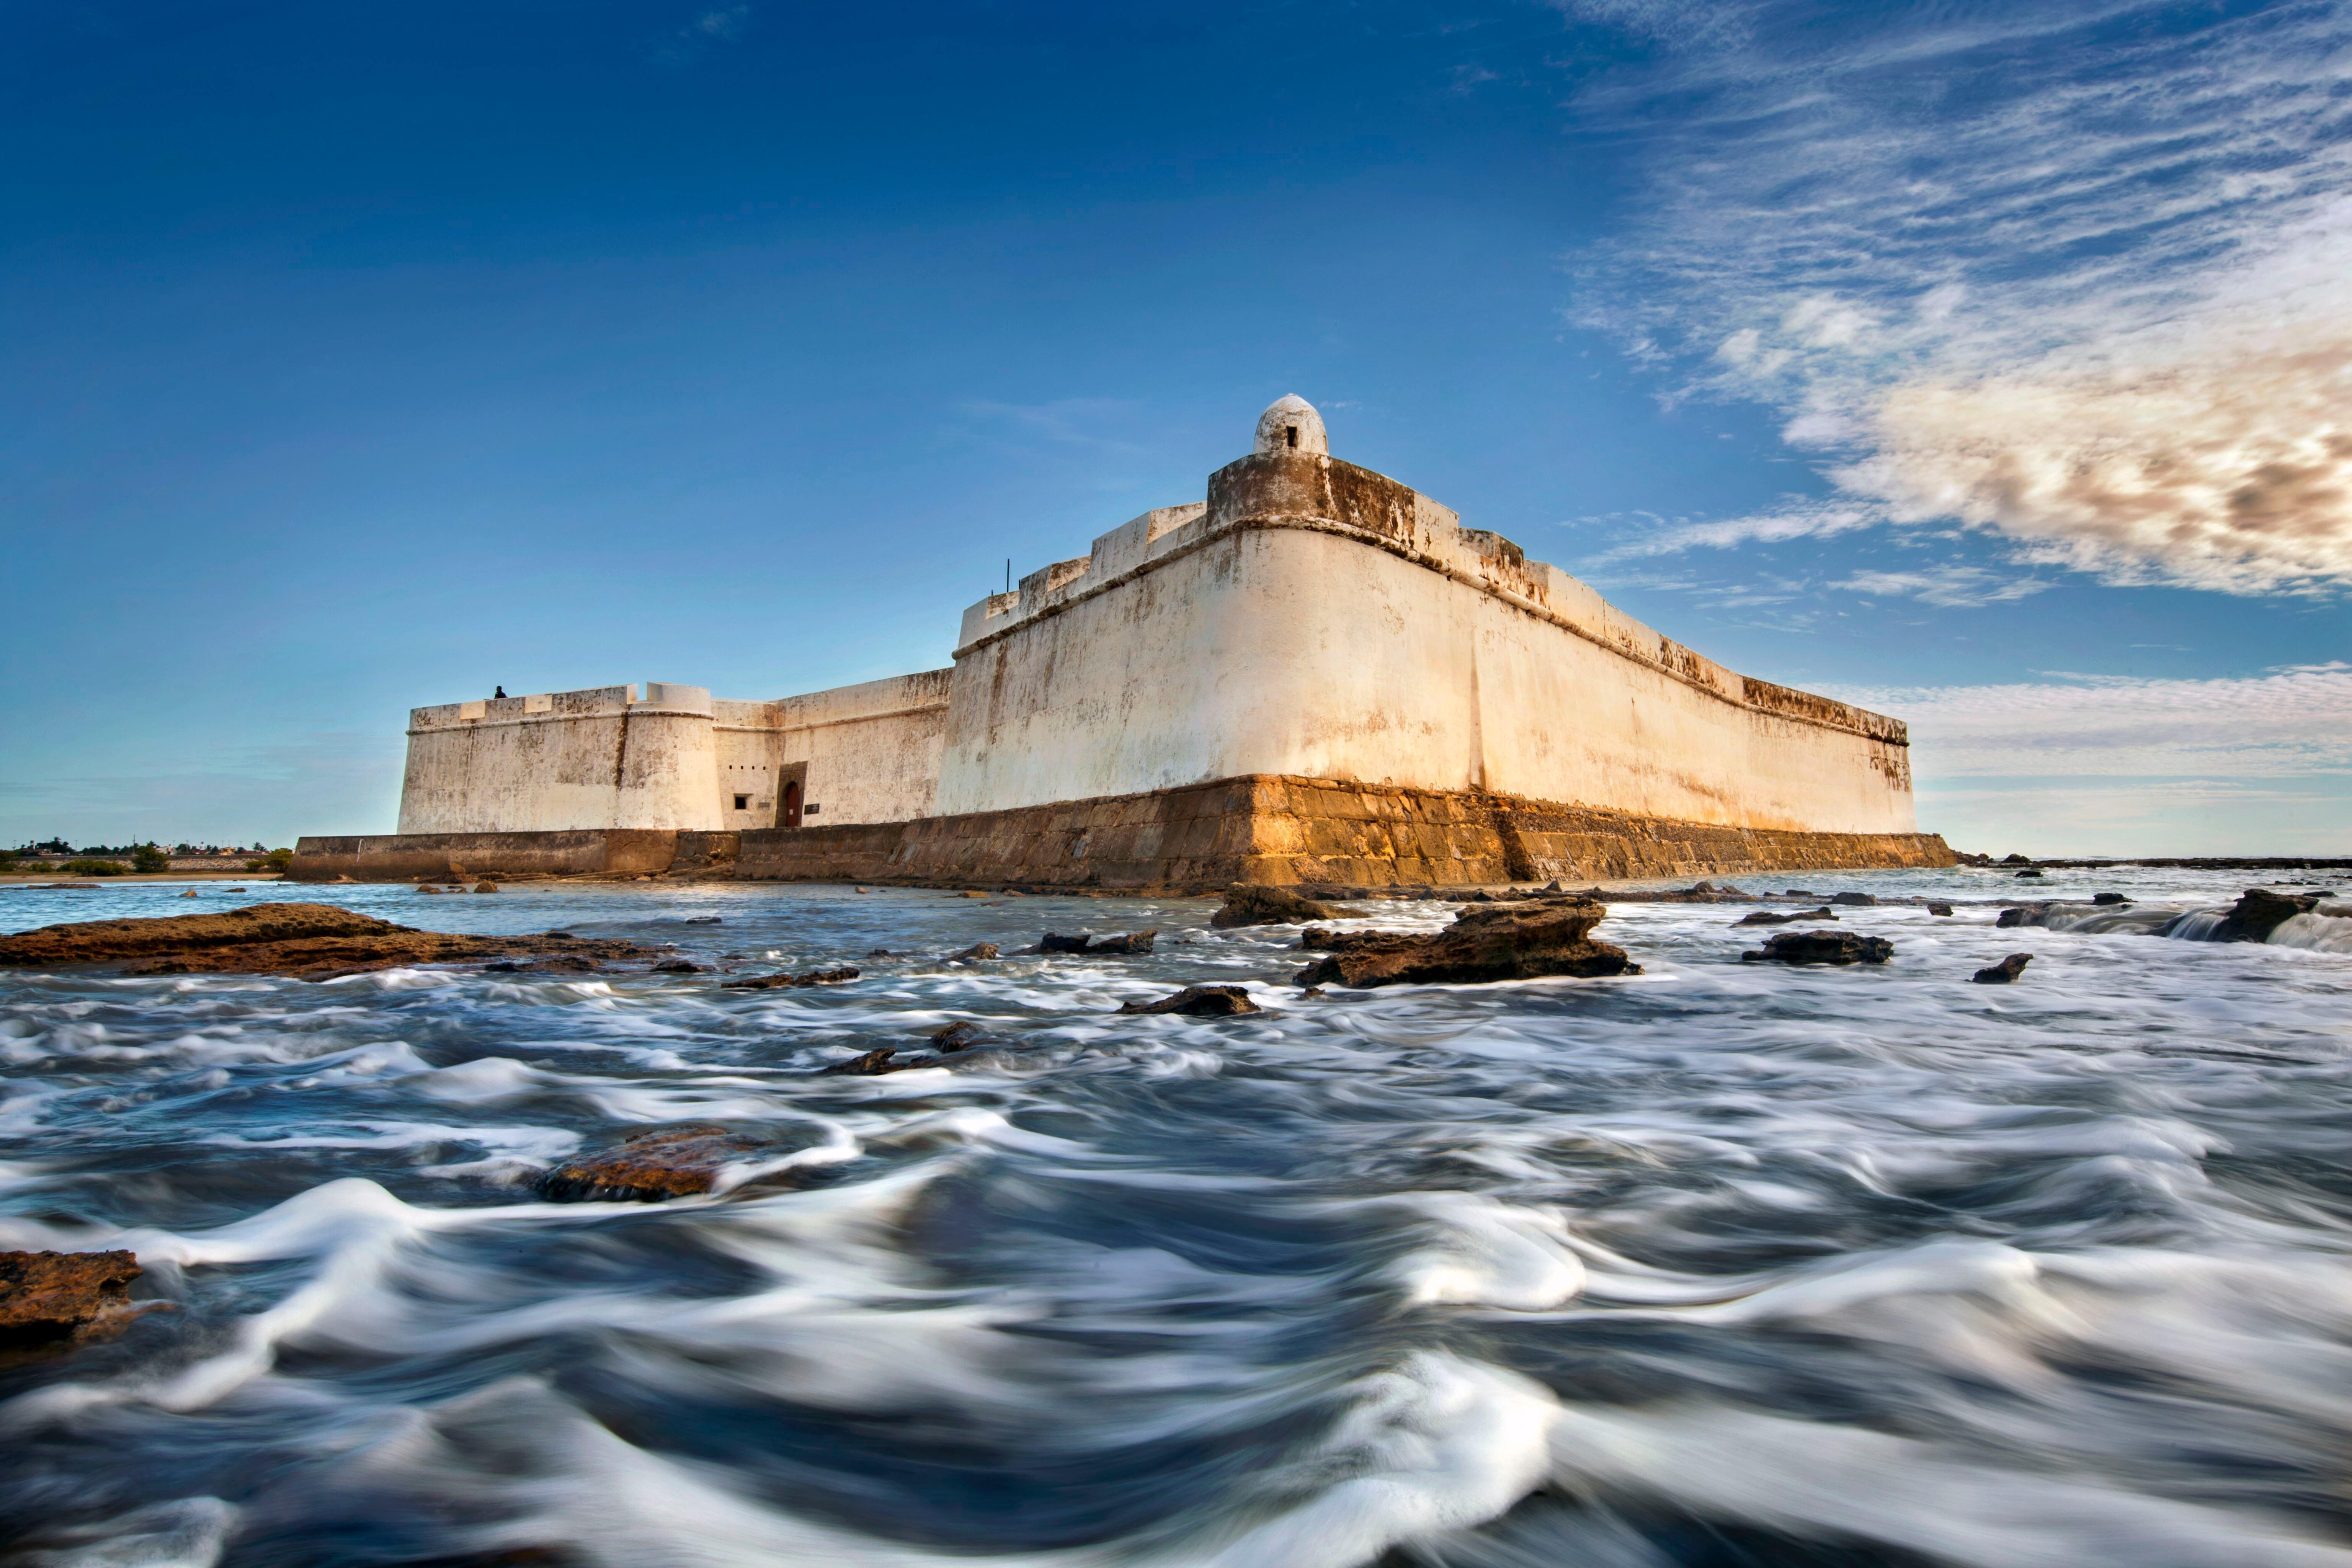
<point>1821,947</point>
<point>977,951</point>
<point>682,966</point>
<point>1251,904</point>
<point>2258,913</point>
<point>646,1167</point>
<point>1939,908</point>
<point>313,942</point>
<point>49,1296</point>
<point>868,1063</point>
<point>1767,917</point>
<point>1502,942</point>
<point>1858,900</point>
<point>1098,946</point>
<point>2109,898</point>
<point>1200,1002</point>
<point>841,976</point>
<point>2005,973</point>
<point>958,1036</point>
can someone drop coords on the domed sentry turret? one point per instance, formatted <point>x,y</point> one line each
<point>1291,424</point>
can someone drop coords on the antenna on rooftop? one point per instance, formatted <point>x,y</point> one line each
<point>1008,573</point>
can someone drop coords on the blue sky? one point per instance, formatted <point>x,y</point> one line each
<point>1984,364</point>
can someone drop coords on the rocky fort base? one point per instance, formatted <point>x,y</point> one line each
<point>1264,829</point>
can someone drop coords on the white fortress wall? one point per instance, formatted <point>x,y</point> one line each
<point>604,757</point>
<point>868,752</point>
<point>1263,634</point>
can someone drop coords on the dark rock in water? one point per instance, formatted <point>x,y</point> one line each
<point>2015,860</point>
<point>1767,917</point>
<point>313,941</point>
<point>2109,898</point>
<point>879,952</point>
<point>2024,915</point>
<point>979,950</point>
<point>486,887</point>
<point>646,1167</point>
<point>47,1296</point>
<point>681,966</point>
<point>1098,946</point>
<point>1857,901</point>
<point>566,962</point>
<point>702,919</point>
<point>1939,908</point>
<point>958,1036</point>
<point>1200,1002</point>
<point>871,1064</point>
<point>1821,947</point>
<point>2005,973</point>
<point>2034,874</point>
<point>2258,913</point>
<point>775,982</point>
<point>1249,904</point>
<point>1504,942</point>
<point>1133,941</point>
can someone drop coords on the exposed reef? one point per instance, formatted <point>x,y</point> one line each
<point>310,941</point>
<point>1494,941</point>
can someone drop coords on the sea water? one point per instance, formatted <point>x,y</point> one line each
<point>1721,1264</point>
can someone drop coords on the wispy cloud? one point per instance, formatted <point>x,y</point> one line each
<point>1952,585</point>
<point>2079,276</point>
<point>2294,722</point>
<point>1068,421</point>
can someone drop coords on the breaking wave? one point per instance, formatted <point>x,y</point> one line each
<point>1722,1264</point>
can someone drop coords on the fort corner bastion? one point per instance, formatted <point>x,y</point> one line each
<point>1314,675</point>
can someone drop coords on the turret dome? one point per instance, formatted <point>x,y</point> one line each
<point>1291,424</point>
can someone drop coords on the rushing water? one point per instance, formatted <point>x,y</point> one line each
<point>1723,1264</point>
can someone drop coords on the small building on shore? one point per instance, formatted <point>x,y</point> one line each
<point>1314,675</point>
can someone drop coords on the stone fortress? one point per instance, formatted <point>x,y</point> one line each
<point>1315,676</point>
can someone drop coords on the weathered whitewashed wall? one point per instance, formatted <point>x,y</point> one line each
<point>1319,620</point>
<point>673,759</point>
<point>868,752</point>
<point>600,758</point>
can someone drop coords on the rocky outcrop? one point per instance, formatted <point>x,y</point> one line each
<point>1821,947</point>
<point>313,942</point>
<point>1494,941</point>
<point>1200,1002</point>
<point>49,1298</point>
<point>1138,942</point>
<point>1857,900</point>
<point>979,951</point>
<point>1767,917</point>
<point>2258,913</point>
<point>647,1167</point>
<point>2005,973</point>
<point>841,976</point>
<point>1253,904</point>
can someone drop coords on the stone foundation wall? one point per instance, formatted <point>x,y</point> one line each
<point>1290,831</point>
<point>409,856</point>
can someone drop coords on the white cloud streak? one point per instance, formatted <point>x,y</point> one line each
<point>2295,722</point>
<point>2080,276</point>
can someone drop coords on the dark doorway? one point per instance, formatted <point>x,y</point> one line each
<point>792,789</point>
